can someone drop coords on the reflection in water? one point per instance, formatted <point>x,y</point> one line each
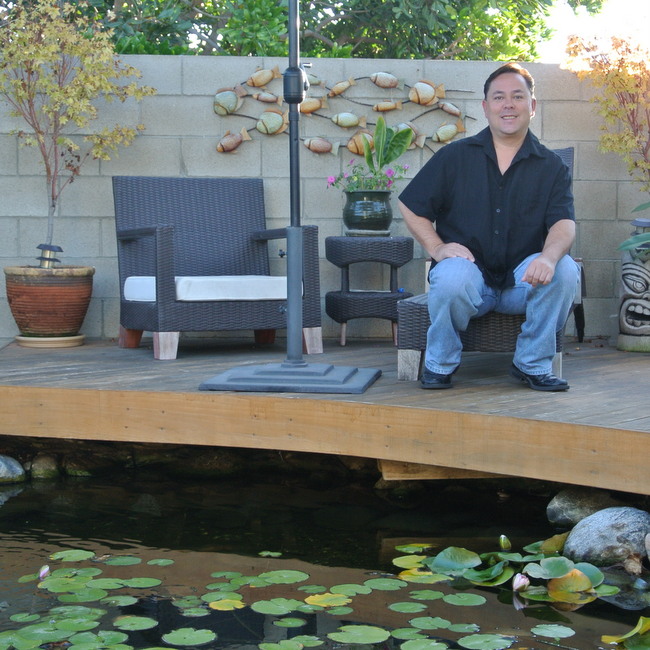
<point>211,527</point>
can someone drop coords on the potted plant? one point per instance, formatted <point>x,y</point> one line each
<point>619,68</point>
<point>55,63</point>
<point>368,187</point>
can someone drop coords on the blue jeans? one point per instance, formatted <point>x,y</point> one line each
<point>458,293</point>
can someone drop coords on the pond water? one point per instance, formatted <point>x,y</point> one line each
<point>190,545</point>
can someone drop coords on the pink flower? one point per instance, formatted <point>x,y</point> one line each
<point>520,582</point>
<point>331,180</point>
<point>390,172</point>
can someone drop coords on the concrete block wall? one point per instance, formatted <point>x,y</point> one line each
<point>182,131</point>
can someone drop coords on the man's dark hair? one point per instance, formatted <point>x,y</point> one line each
<point>510,68</point>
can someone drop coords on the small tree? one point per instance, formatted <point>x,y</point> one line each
<point>620,69</point>
<point>54,65</point>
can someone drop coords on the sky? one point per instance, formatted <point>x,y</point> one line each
<point>617,17</point>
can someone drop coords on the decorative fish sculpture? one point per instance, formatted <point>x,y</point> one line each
<point>418,138</point>
<point>341,87</point>
<point>450,108</point>
<point>231,141</point>
<point>321,145</point>
<point>446,132</point>
<point>267,98</point>
<point>312,104</point>
<point>228,100</point>
<point>426,93</point>
<point>272,121</point>
<point>348,120</point>
<point>355,143</point>
<point>384,80</point>
<point>263,76</point>
<point>388,106</point>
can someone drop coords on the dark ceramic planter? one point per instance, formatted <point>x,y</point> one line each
<point>368,212</point>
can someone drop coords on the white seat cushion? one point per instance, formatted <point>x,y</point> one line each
<point>211,287</point>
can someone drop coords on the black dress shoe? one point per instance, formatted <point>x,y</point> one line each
<point>433,380</point>
<point>547,382</point>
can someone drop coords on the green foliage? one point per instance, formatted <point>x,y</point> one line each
<point>381,148</point>
<point>56,63</point>
<point>401,29</point>
<point>619,69</point>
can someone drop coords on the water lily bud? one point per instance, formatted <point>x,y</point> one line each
<point>504,543</point>
<point>520,582</point>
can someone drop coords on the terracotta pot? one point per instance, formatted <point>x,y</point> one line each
<point>368,212</point>
<point>49,302</point>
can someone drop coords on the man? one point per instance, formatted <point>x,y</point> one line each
<point>504,224</point>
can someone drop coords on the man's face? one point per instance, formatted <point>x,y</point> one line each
<point>509,106</point>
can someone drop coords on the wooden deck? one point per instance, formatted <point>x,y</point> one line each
<point>597,433</point>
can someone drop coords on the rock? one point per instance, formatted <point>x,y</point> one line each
<point>610,536</point>
<point>44,466</point>
<point>11,471</point>
<point>570,506</point>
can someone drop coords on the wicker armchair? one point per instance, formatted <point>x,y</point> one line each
<point>199,233</point>
<point>492,332</point>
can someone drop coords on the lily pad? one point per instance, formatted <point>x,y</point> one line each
<point>123,560</point>
<point>284,577</point>
<point>464,599</point>
<point>453,561</point>
<point>408,561</point>
<point>328,600</point>
<point>430,623</point>
<point>308,641</point>
<point>407,607</point>
<point>385,584</point>
<point>485,642</point>
<point>188,636</point>
<point>350,589</point>
<point>160,562</point>
<point>72,555</point>
<point>276,606</point>
<point>290,622</point>
<point>142,583</point>
<point>423,644</point>
<point>553,631</point>
<point>119,601</point>
<point>132,623</point>
<point>86,595</point>
<point>406,633</point>
<point>359,634</point>
<point>225,605</point>
<point>550,567</point>
<point>426,594</point>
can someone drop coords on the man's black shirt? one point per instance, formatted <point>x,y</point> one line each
<point>502,219</point>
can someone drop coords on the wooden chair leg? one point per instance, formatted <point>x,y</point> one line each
<point>165,345</point>
<point>264,337</point>
<point>312,340</point>
<point>129,338</point>
<point>344,331</point>
<point>408,364</point>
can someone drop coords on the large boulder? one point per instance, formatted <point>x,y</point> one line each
<point>11,471</point>
<point>610,536</point>
<point>572,505</point>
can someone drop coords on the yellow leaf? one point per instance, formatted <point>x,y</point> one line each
<point>328,600</point>
<point>226,605</point>
<point>642,626</point>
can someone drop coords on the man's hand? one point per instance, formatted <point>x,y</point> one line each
<point>452,249</point>
<point>540,271</point>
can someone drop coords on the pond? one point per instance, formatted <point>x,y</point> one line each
<point>276,564</point>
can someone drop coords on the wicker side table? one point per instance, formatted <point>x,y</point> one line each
<point>344,305</point>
